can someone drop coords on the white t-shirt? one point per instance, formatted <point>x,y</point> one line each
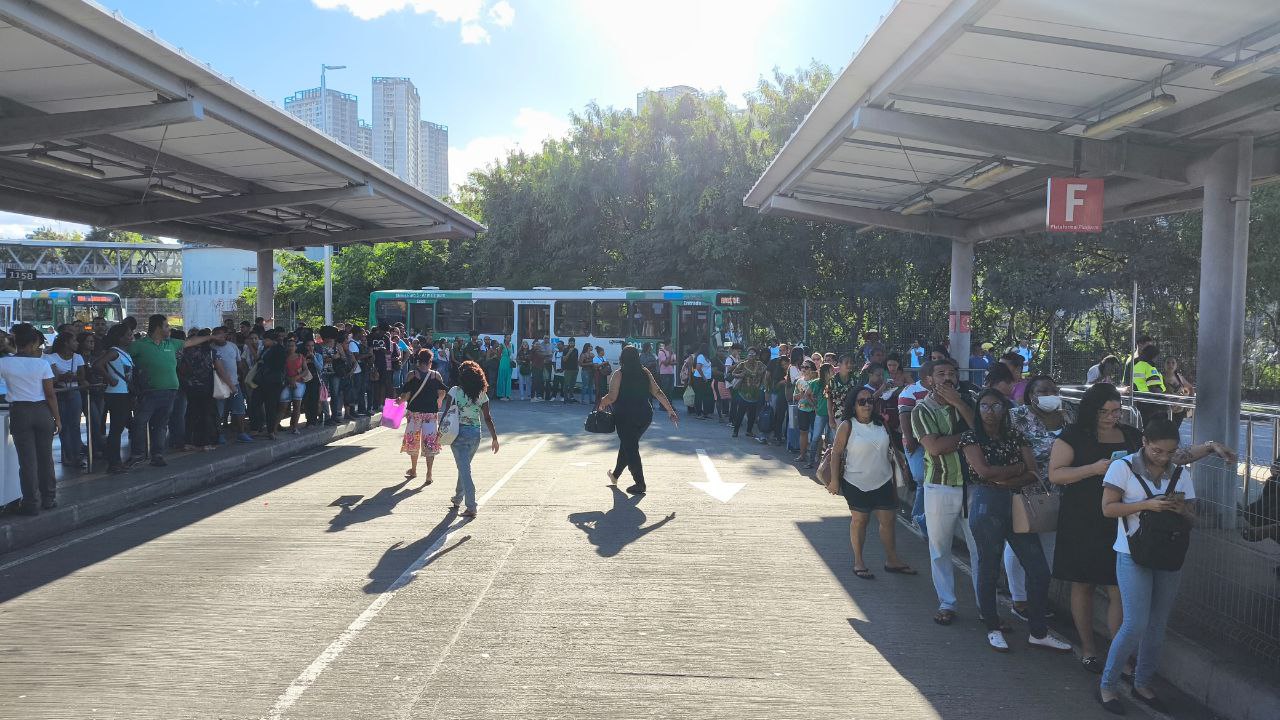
<point>795,374</point>
<point>1094,374</point>
<point>354,347</point>
<point>24,378</point>
<point>866,460</point>
<point>1120,477</point>
<point>61,366</point>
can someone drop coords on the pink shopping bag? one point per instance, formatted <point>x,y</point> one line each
<point>392,414</point>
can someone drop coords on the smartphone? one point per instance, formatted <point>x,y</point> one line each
<point>1119,454</point>
<point>1179,496</point>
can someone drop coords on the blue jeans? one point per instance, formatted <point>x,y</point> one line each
<point>334,383</point>
<point>524,385</point>
<point>588,386</point>
<point>70,408</point>
<point>915,461</point>
<point>151,423</point>
<point>1147,596</point>
<point>464,449</point>
<point>821,424</point>
<point>178,420</point>
<point>991,520</point>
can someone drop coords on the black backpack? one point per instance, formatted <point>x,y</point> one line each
<point>1163,537</point>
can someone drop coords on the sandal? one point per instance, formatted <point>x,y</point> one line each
<point>944,617</point>
<point>901,570</point>
<point>1092,664</point>
<point>864,573</point>
<point>410,474</point>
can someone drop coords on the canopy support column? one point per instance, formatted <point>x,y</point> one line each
<point>267,287</point>
<point>1220,344</point>
<point>961,300</point>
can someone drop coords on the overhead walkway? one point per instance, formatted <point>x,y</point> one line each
<point>99,261</point>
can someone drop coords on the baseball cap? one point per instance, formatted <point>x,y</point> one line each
<point>987,346</point>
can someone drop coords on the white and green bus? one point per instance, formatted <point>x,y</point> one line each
<point>90,310</point>
<point>606,317</point>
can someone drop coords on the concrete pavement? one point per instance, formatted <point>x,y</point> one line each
<point>332,589</point>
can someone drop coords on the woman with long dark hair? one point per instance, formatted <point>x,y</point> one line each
<point>68,375</point>
<point>471,395</point>
<point>117,371</point>
<point>33,417</point>
<point>630,388</point>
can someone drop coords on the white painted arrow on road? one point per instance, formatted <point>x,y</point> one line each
<point>714,486</point>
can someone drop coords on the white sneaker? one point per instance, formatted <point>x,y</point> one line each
<point>995,639</point>
<point>1049,642</point>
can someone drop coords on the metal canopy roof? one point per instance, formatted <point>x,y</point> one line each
<point>954,113</point>
<point>104,124</point>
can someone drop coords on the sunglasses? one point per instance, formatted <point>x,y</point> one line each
<point>990,407</point>
<point>865,401</point>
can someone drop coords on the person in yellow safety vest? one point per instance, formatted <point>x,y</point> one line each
<point>1147,379</point>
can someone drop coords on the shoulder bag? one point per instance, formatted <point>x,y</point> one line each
<point>1035,508</point>
<point>448,427</point>
<point>1163,538</point>
<point>599,421</point>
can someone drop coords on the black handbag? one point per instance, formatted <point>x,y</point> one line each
<point>1163,537</point>
<point>599,421</point>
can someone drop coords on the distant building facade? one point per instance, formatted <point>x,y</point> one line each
<point>336,117</point>
<point>396,123</point>
<point>668,94</point>
<point>434,155</point>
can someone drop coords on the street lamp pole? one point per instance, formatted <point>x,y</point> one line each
<point>328,249</point>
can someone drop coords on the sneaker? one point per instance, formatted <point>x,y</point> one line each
<point>995,639</point>
<point>134,461</point>
<point>246,437</point>
<point>1020,611</point>
<point>1049,642</point>
<point>158,461</point>
<point>210,448</point>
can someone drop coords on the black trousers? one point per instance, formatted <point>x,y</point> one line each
<point>704,403</point>
<point>31,426</point>
<point>201,418</point>
<point>311,402</point>
<point>119,406</point>
<point>629,432</point>
<point>268,399</point>
<point>744,408</point>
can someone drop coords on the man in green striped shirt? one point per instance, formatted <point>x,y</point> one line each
<point>937,422</point>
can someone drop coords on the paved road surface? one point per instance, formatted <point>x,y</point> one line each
<point>329,589</point>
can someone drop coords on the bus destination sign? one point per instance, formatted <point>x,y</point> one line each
<point>729,300</point>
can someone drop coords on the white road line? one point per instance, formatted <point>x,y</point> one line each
<point>308,677</point>
<point>715,486</point>
<point>152,513</point>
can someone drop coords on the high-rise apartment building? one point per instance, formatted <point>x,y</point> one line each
<point>433,173</point>
<point>396,125</point>
<point>340,121</point>
<point>364,139</point>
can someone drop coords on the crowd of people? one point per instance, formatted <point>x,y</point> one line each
<point>976,451</point>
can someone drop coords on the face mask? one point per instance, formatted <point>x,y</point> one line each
<point>1049,403</point>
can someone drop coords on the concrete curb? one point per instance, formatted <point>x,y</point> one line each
<point>184,475</point>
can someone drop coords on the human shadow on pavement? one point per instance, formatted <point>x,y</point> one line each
<point>400,564</point>
<point>613,529</point>
<point>353,509</point>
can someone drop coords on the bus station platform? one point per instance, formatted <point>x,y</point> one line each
<point>328,586</point>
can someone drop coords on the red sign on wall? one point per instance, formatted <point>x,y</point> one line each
<point>960,320</point>
<point>1074,205</point>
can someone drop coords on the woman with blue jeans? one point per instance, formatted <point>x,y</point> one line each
<point>1147,594</point>
<point>471,395</point>
<point>822,414</point>
<point>1002,460</point>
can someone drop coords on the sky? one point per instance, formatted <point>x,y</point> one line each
<point>501,74</point>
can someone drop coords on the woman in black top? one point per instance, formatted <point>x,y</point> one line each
<point>423,392</point>
<point>1083,554</point>
<point>630,388</point>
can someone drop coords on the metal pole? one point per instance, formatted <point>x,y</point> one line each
<point>1133,344</point>
<point>19,301</point>
<point>328,284</point>
<point>804,331</point>
<point>1052,317</point>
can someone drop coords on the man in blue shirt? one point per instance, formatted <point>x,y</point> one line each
<point>979,363</point>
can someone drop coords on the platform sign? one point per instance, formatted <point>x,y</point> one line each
<point>19,274</point>
<point>1074,205</point>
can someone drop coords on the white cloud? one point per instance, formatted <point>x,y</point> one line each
<point>528,129</point>
<point>474,34</point>
<point>502,14</point>
<point>469,14</point>
<point>15,227</point>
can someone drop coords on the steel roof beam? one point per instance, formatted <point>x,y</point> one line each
<point>29,203</point>
<point>59,126</point>
<point>1256,97</point>
<point>1101,157</point>
<point>126,215</point>
<point>1102,47</point>
<point>437,231</point>
<point>848,214</point>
